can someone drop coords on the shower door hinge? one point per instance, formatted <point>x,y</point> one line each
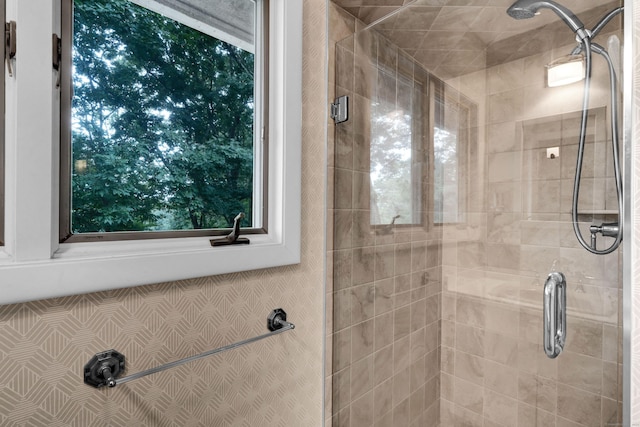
<point>9,44</point>
<point>340,109</point>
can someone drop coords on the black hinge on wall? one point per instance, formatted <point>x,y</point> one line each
<point>340,109</point>
<point>9,44</point>
<point>56,51</point>
<point>56,55</point>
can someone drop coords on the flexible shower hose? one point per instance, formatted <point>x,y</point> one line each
<point>588,49</point>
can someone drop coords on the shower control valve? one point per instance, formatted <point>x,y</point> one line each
<point>610,229</point>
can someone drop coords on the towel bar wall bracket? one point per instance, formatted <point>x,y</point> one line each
<point>104,368</point>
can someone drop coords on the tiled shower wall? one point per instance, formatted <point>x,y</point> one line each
<point>516,230</point>
<point>494,371</point>
<point>385,294</point>
<point>275,382</point>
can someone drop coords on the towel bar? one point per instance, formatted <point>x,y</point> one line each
<point>104,367</point>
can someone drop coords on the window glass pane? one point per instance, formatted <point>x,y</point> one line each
<point>446,167</point>
<point>393,188</point>
<point>453,136</point>
<point>162,119</point>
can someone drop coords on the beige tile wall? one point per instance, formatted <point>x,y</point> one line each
<point>275,382</point>
<point>494,371</point>
<point>385,289</point>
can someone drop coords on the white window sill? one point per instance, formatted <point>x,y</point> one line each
<point>93,267</point>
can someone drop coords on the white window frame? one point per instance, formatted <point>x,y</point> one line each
<point>34,265</point>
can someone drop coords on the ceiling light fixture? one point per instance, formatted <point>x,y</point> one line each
<point>565,70</point>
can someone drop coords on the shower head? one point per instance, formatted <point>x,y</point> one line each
<point>525,9</point>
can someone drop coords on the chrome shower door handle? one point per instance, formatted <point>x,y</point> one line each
<point>555,314</point>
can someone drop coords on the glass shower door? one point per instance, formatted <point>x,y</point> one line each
<point>443,306</point>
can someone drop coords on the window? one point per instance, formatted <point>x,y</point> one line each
<point>392,146</point>
<point>166,119</point>
<point>455,119</point>
<point>398,153</point>
<point>412,113</point>
<point>35,264</point>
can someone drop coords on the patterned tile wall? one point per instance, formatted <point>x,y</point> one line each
<point>385,290</point>
<point>275,382</point>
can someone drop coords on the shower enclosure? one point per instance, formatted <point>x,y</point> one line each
<point>452,203</point>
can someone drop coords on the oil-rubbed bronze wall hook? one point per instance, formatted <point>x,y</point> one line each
<point>388,228</point>
<point>9,44</point>
<point>232,238</point>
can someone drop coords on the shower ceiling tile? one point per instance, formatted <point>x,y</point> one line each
<point>465,25</point>
<point>462,58</point>
<point>498,57</point>
<point>430,59</point>
<point>388,23</point>
<point>477,41</point>
<point>407,39</point>
<point>467,2</point>
<point>369,14</point>
<point>456,18</point>
<point>431,2</point>
<point>441,40</point>
<point>501,3</point>
<point>489,18</point>
<point>410,52</point>
<point>415,18</point>
<point>381,3</point>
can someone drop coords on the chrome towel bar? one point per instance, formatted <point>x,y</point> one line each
<point>104,368</point>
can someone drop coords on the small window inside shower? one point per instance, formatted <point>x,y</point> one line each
<point>422,132</point>
<point>398,159</point>
<point>454,120</point>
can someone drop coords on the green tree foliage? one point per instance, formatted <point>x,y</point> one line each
<point>392,175</point>
<point>162,126</point>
